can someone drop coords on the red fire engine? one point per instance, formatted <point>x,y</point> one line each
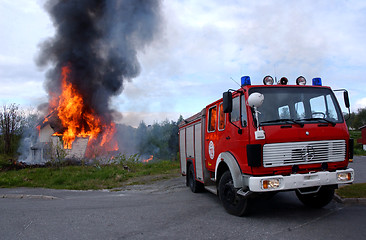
<point>262,139</point>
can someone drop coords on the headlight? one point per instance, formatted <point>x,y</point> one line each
<point>344,176</point>
<point>270,183</point>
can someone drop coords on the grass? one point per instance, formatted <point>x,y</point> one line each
<point>88,177</point>
<point>356,190</point>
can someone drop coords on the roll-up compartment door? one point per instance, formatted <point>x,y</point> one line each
<point>190,142</point>
<point>198,151</point>
<point>182,150</point>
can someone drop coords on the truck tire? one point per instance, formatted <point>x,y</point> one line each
<point>317,200</point>
<point>194,185</point>
<point>232,202</point>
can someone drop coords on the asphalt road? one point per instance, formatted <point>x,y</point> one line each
<point>359,165</point>
<point>168,210</point>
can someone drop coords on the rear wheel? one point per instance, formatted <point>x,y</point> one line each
<point>233,203</point>
<point>194,185</point>
<point>317,200</point>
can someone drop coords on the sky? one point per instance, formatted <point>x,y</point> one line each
<point>203,45</point>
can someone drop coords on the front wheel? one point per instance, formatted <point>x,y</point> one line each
<point>232,202</point>
<point>317,200</point>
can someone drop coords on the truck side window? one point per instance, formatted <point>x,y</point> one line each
<point>221,117</point>
<point>243,112</point>
<point>235,114</point>
<point>211,119</point>
<point>332,112</point>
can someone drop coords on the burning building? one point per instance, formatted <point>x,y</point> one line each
<point>94,51</point>
<point>50,145</point>
<point>72,129</point>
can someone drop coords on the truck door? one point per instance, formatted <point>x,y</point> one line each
<point>211,138</point>
<point>236,143</point>
<point>222,136</point>
<point>216,136</point>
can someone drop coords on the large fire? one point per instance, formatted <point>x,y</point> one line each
<point>80,120</point>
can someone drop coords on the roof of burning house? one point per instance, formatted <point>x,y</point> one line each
<point>53,120</point>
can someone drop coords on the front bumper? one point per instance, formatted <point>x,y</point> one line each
<point>295,181</point>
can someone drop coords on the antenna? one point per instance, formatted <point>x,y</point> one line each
<point>238,85</point>
<point>235,81</point>
<point>274,66</point>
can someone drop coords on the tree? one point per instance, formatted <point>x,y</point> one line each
<point>173,141</point>
<point>141,137</point>
<point>358,119</point>
<point>160,139</point>
<point>11,122</point>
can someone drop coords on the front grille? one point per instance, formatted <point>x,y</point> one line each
<point>295,153</point>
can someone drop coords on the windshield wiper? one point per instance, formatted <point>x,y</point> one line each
<point>319,119</point>
<point>284,120</point>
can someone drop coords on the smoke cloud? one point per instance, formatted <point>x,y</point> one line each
<point>99,40</point>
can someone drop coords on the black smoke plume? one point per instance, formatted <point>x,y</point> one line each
<point>100,40</point>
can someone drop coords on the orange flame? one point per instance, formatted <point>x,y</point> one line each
<point>78,119</point>
<point>39,130</point>
<point>149,159</point>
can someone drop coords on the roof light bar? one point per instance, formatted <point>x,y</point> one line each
<point>268,80</point>
<point>317,82</point>
<point>245,80</point>
<point>301,80</point>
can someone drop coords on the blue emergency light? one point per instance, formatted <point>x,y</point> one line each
<point>317,81</point>
<point>245,80</point>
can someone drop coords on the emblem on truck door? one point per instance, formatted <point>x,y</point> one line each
<point>307,153</point>
<point>211,150</point>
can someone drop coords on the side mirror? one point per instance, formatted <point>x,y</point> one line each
<point>346,99</point>
<point>227,102</point>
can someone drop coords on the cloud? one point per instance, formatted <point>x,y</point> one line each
<point>22,24</point>
<point>204,44</point>
<point>361,103</point>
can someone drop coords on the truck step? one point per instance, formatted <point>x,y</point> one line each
<point>211,189</point>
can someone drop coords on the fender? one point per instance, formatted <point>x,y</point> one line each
<point>234,168</point>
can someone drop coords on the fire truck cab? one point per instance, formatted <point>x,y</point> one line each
<point>262,139</point>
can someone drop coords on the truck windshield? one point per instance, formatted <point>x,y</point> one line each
<point>298,105</point>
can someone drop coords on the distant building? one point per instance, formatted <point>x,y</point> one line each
<point>363,137</point>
